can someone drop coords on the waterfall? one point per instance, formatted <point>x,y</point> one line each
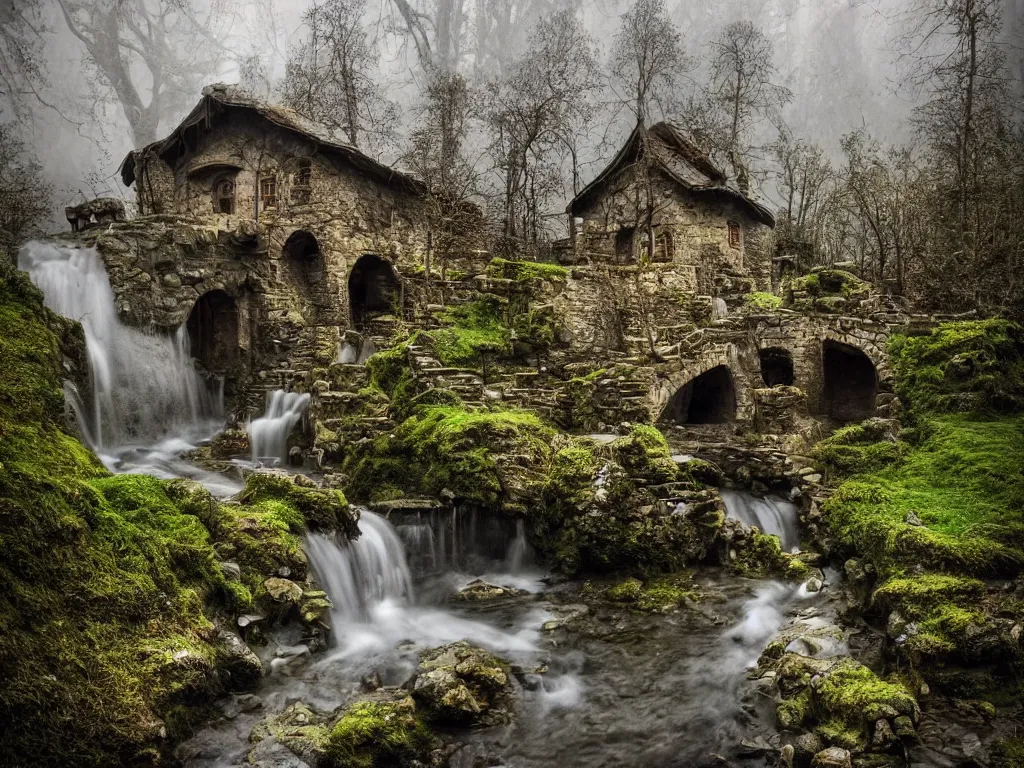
<point>770,514</point>
<point>268,435</point>
<point>360,573</point>
<point>144,386</point>
<point>350,354</point>
<point>518,550</point>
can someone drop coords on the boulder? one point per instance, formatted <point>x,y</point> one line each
<point>478,589</point>
<point>283,590</point>
<point>459,684</point>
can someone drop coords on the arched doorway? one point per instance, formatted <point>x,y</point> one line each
<point>212,328</point>
<point>373,290</point>
<point>708,399</point>
<point>776,367</point>
<point>306,269</point>
<point>849,382</point>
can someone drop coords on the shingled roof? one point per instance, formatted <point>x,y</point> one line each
<point>217,99</point>
<point>679,159</point>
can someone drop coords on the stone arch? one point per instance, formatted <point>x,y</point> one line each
<point>213,331</point>
<point>776,366</point>
<point>306,268</point>
<point>849,382</point>
<point>709,398</point>
<point>374,289</point>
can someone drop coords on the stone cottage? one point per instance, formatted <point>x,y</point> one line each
<point>264,234</point>
<point>661,187</point>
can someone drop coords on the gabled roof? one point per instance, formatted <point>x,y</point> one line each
<point>682,161</point>
<point>218,99</point>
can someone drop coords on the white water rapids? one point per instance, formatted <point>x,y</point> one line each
<point>769,514</point>
<point>268,435</point>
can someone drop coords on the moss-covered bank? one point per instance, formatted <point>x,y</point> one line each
<point>934,517</point>
<point>115,603</point>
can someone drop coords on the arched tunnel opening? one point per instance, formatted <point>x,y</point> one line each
<point>373,290</point>
<point>212,328</point>
<point>776,367</point>
<point>707,399</point>
<point>850,382</point>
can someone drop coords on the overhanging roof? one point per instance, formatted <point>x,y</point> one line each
<point>679,159</point>
<point>218,99</point>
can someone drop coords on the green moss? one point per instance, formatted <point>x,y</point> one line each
<point>760,554</point>
<point>378,735</point>
<point>762,300</point>
<point>975,366</point>
<point>662,594</point>
<point>964,482</point>
<point>852,694</point>
<point>297,506</point>
<point>475,331</point>
<point>1008,753</point>
<point>526,270</point>
<point>858,448</point>
<point>792,714</point>
<point>645,452</point>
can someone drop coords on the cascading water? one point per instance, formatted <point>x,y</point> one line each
<point>268,435</point>
<point>770,514</point>
<point>362,572</point>
<point>146,399</point>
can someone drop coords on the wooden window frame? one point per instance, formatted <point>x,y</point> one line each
<point>219,198</point>
<point>735,235</point>
<point>268,191</point>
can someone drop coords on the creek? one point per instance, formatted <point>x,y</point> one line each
<point>597,684</point>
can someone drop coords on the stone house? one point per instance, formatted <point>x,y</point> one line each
<point>294,238</point>
<point>702,222</point>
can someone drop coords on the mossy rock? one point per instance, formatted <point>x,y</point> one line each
<point>459,684</point>
<point>644,452</point>
<point>661,594</point>
<point>520,271</point>
<point>975,366</point>
<point>379,734</point>
<point>303,504</point>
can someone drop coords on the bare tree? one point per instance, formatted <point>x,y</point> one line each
<point>151,55</point>
<point>22,26</point>
<point>26,200</point>
<point>536,113</point>
<point>742,70</point>
<point>329,76</point>
<point>804,179</point>
<point>647,60</point>
<point>437,155</point>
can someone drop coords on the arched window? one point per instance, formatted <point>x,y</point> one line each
<point>268,190</point>
<point>224,195</point>
<point>707,399</point>
<point>735,236</point>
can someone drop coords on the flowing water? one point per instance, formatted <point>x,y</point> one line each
<point>770,514</point>
<point>599,685</point>
<point>268,435</point>
<point>147,403</point>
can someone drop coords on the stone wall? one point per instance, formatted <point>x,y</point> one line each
<point>695,226</point>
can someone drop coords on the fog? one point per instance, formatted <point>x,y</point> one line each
<point>839,58</point>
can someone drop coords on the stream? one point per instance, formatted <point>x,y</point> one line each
<point>598,685</point>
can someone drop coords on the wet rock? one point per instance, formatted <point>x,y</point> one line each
<point>231,571</point>
<point>283,590</point>
<point>299,728</point>
<point>230,443</point>
<point>805,747</point>
<point>904,727</point>
<point>813,584</point>
<point>316,608</point>
<point>270,753</point>
<point>459,684</point>
<point>371,682</point>
<point>242,666</point>
<point>833,757</point>
<point>911,518</point>
<point>479,590</point>
<point>883,737</point>
<point>384,730</point>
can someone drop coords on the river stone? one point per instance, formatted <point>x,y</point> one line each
<point>283,590</point>
<point>459,684</point>
<point>833,757</point>
<point>478,589</point>
<point>242,665</point>
<point>883,736</point>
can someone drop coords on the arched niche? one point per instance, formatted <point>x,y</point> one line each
<point>212,328</point>
<point>306,269</point>
<point>776,367</point>
<point>707,399</point>
<point>373,290</point>
<point>849,382</point>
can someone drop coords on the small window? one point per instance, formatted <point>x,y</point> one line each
<point>734,235</point>
<point>268,191</point>
<point>663,247</point>
<point>224,195</point>
<point>300,191</point>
